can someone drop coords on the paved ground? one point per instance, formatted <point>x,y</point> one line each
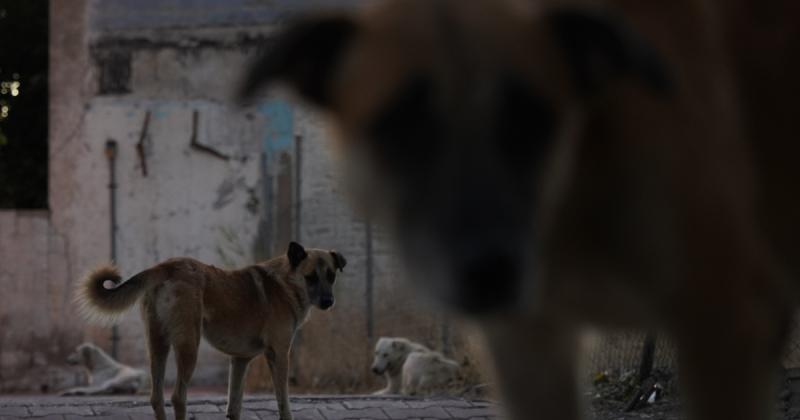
<point>255,408</point>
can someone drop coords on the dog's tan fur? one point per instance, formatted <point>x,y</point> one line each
<point>243,313</point>
<point>665,195</point>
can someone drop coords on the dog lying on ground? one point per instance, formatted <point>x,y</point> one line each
<point>106,375</point>
<point>429,373</point>
<point>390,357</point>
<point>411,368</point>
<point>243,313</point>
<point>551,165</point>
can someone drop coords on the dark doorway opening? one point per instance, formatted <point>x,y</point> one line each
<point>24,30</point>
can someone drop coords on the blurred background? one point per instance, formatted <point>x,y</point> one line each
<point>118,113</point>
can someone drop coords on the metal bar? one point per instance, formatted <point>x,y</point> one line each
<point>111,155</point>
<point>268,208</point>
<point>298,172</point>
<point>445,335</point>
<point>140,145</point>
<point>195,144</point>
<point>298,337</point>
<point>369,286</point>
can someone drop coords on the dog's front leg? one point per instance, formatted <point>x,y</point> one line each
<point>236,374</point>
<point>395,382</point>
<point>730,358</point>
<point>536,367</point>
<point>278,361</point>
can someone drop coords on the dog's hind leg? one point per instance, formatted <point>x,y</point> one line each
<point>278,361</point>
<point>186,322</point>
<point>158,349</point>
<point>536,368</point>
<point>236,374</point>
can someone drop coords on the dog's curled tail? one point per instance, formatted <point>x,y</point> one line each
<point>102,297</point>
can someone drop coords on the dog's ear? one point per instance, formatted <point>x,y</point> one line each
<point>305,56</point>
<point>600,48</point>
<point>338,261</point>
<point>296,254</point>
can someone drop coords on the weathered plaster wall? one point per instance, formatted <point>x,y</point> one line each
<point>35,308</point>
<point>112,65</point>
<point>38,256</point>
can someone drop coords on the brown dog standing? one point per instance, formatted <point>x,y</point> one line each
<point>243,313</point>
<point>554,164</point>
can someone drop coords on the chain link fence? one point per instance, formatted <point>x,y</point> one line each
<point>335,352</point>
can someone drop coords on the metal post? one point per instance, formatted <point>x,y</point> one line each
<point>445,335</point>
<point>295,373</point>
<point>369,286</point>
<point>648,356</point>
<point>298,172</point>
<point>111,154</point>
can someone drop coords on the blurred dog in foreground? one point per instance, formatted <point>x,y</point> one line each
<point>550,165</point>
<point>242,313</point>
<point>106,375</point>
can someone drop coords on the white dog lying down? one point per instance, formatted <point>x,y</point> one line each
<point>106,375</point>
<point>426,373</point>
<point>411,368</point>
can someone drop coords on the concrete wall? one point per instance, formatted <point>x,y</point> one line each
<point>39,252</point>
<point>35,307</point>
<point>154,76</point>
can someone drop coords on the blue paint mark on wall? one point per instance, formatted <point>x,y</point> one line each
<point>279,127</point>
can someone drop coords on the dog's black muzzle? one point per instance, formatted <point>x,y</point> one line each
<point>486,284</point>
<point>325,302</point>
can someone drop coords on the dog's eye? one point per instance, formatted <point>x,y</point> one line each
<point>331,276</point>
<point>312,278</point>
<point>404,130</point>
<point>526,122</point>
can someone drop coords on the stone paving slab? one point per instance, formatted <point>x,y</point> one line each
<point>209,407</point>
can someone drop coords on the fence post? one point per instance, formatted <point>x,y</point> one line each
<point>368,292</point>
<point>298,207</point>
<point>111,155</point>
<point>648,356</point>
